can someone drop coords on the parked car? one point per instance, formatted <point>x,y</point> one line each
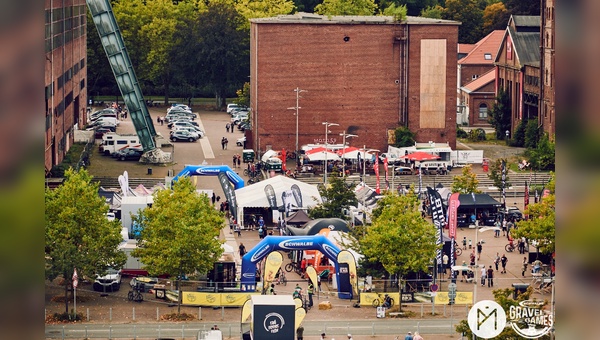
<point>181,112</point>
<point>392,159</point>
<point>182,123</point>
<point>108,283</point>
<point>403,170</point>
<point>182,135</point>
<point>193,129</point>
<point>102,112</point>
<point>235,107</point>
<point>100,131</point>
<point>243,126</point>
<point>129,154</point>
<point>511,213</point>
<point>179,106</point>
<point>240,141</point>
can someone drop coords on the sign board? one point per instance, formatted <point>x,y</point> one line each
<point>434,287</point>
<point>273,317</point>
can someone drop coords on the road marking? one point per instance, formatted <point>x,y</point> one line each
<point>205,143</point>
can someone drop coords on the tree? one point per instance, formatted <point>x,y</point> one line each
<point>495,17</point>
<point>251,9</point>
<point>434,12</point>
<point>413,7</point>
<point>518,138</point>
<point>396,11</point>
<point>337,197</point>
<point>243,95</point>
<point>346,7</point>
<point>78,235</point>
<point>307,6</point>
<point>540,226</point>
<point>466,182</point>
<point>500,115</point>
<point>542,157</point>
<point>213,51</point>
<point>404,137</point>
<point>399,237</point>
<point>179,232</point>
<point>495,174</point>
<point>471,17</point>
<point>531,134</point>
<point>523,7</point>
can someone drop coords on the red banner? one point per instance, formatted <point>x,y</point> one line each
<point>453,204</point>
<point>376,169</point>
<point>526,203</point>
<point>385,166</point>
<point>283,158</point>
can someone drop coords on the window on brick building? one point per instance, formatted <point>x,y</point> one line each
<point>483,111</point>
<point>487,56</point>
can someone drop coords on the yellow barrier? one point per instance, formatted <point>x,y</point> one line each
<point>216,299</point>
<point>366,299</point>
<point>462,298</point>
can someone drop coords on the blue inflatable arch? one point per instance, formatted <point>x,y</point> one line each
<point>211,170</point>
<point>273,243</point>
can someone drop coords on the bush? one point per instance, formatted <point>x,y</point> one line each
<point>460,133</point>
<point>476,135</point>
<point>519,135</point>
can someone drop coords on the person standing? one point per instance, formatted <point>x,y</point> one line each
<point>350,336</point>
<point>490,277</point>
<point>319,283</point>
<point>524,266</point>
<point>310,291</point>
<point>223,143</point>
<point>483,274</point>
<point>234,161</point>
<point>323,336</point>
<point>503,260</point>
<point>464,242</point>
<point>300,332</point>
<point>498,226</point>
<point>242,249</point>
<point>408,336</point>
<point>226,142</point>
<point>261,233</point>
<point>417,336</point>
<point>238,229</point>
<point>497,260</point>
<point>227,127</point>
<point>504,226</point>
<point>272,289</point>
<point>261,222</point>
<point>479,249</point>
<point>239,160</point>
<point>444,262</point>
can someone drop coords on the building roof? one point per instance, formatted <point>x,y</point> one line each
<point>525,21</point>
<point>483,80</point>
<point>524,31</point>
<point>465,48</point>
<point>488,45</point>
<point>311,18</point>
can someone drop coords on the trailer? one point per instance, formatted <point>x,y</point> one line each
<point>112,142</point>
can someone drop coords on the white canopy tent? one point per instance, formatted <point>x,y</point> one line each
<point>254,195</point>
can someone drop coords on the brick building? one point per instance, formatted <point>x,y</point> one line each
<point>478,98</point>
<point>547,66</point>
<point>368,74</point>
<point>518,65</point>
<point>65,76</point>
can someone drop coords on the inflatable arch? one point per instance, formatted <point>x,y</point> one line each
<point>211,170</point>
<point>273,243</point>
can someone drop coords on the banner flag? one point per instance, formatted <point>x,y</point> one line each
<point>283,160</point>
<point>246,311</point>
<point>453,204</point>
<point>420,180</point>
<point>437,215</point>
<point>300,314</point>
<point>376,169</point>
<point>312,274</point>
<point>229,193</point>
<point>387,181</point>
<point>297,195</point>
<point>504,181</point>
<point>345,256</point>
<point>287,197</point>
<point>526,203</point>
<point>272,265</point>
<point>270,192</point>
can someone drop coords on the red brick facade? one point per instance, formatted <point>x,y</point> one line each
<point>65,76</point>
<point>364,75</point>
<point>547,105</point>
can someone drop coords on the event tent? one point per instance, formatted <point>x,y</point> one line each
<point>300,217</point>
<point>313,227</point>
<point>253,196</point>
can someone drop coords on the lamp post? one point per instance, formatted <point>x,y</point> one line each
<point>507,134</point>
<point>344,135</point>
<point>297,107</point>
<point>327,125</point>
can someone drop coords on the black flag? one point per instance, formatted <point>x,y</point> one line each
<point>437,215</point>
<point>229,193</point>
<point>270,192</point>
<point>297,195</point>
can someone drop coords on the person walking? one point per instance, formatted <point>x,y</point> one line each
<point>503,260</point>
<point>464,242</point>
<point>261,233</point>
<point>310,291</point>
<point>524,266</point>
<point>223,143</point>
<point>227,127</point>
<point>417,336</point>
<point>323,336</point>
<point>479,249</point>
<point>226,142</point>
<point>239,160</point>
<point>350,336</point>
<point>234,161</point>
<point>242,249</point>
<point>490,277</point>
<point>408,336</point>
<point>497,260</point>
<point>238,229</point>
<point>300,332</point>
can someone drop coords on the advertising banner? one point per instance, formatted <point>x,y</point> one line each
<point>462,298</point>
<point>503,181</point>
<point>273,317</point>
<point>453,204</point>
<point>346,257</point>
<point>366,299</point>
<point>437,215</point>
<point>229,192</point>
<point>272,265</point>
<point>300,314</point>
<point>312,275</point>
<point>270,193</point>
<point>297,195</point>
<point>387,181</point>
<point>287,197</point>
<point>376,169</point>
<point>215,299</point>
<point>246,311</point>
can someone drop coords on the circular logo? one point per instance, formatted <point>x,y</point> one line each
<point>273,323</point>
<point>530,320</point>
<point>487,319</point>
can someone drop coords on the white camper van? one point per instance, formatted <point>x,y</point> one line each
<point>112,142</point>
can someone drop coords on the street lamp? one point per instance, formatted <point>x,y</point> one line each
<point>507,133</point>
<point>344,135</point>
<point>298,91</point>
<point>327,125</point>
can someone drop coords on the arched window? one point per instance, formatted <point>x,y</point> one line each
<point>483,111</point>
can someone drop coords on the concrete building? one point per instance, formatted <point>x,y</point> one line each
<point>65,76</point>
<point>547,66</point>
<point>517,67</point>
<point>369,74</point>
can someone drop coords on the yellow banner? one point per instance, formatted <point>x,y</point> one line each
<point>300,314</point>
<point>312,274</point>
<point>346,257</point>
<point>215,299</point>
<point>462,298</point>
<point>298,302</point>
<point>246,311</point>
<point>272,265</point>
<point>366,299</point>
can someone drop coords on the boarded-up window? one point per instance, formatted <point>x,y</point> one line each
<point>433,83</point>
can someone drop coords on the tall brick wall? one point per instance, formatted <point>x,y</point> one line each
<point>349,72</point>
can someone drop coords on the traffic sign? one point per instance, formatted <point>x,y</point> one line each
<point>434,287</point>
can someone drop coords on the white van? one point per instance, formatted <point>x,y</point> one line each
<point>433,167</point>
<point>112,142</point>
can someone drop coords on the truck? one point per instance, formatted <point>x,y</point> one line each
<point>112,142</point>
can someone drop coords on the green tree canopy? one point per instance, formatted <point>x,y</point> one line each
<point>396,11</point>
<point>78,234</point>
<point>540,225</point>
<point>399,237</point>
<point>500,113</point>
<point>434,12</point>
<point>404,137</point>
<point>542,157</point>
<point>251,9</point>
<point>243,95</point>
<point>346,7</point>
<point>495,17</point>
<point>495,174</point>
<point>466,182</point>
<point>470,15</point>
<point>337,197</point>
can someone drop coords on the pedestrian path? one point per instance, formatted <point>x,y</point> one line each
<point>205,143</point>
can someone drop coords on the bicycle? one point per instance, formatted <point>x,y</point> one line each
<point>281,279</point>
<point>457,249</point>
<point>380,300</point>
<point>135,295</point>
<point>510,247</point>
<point>292,266</point>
